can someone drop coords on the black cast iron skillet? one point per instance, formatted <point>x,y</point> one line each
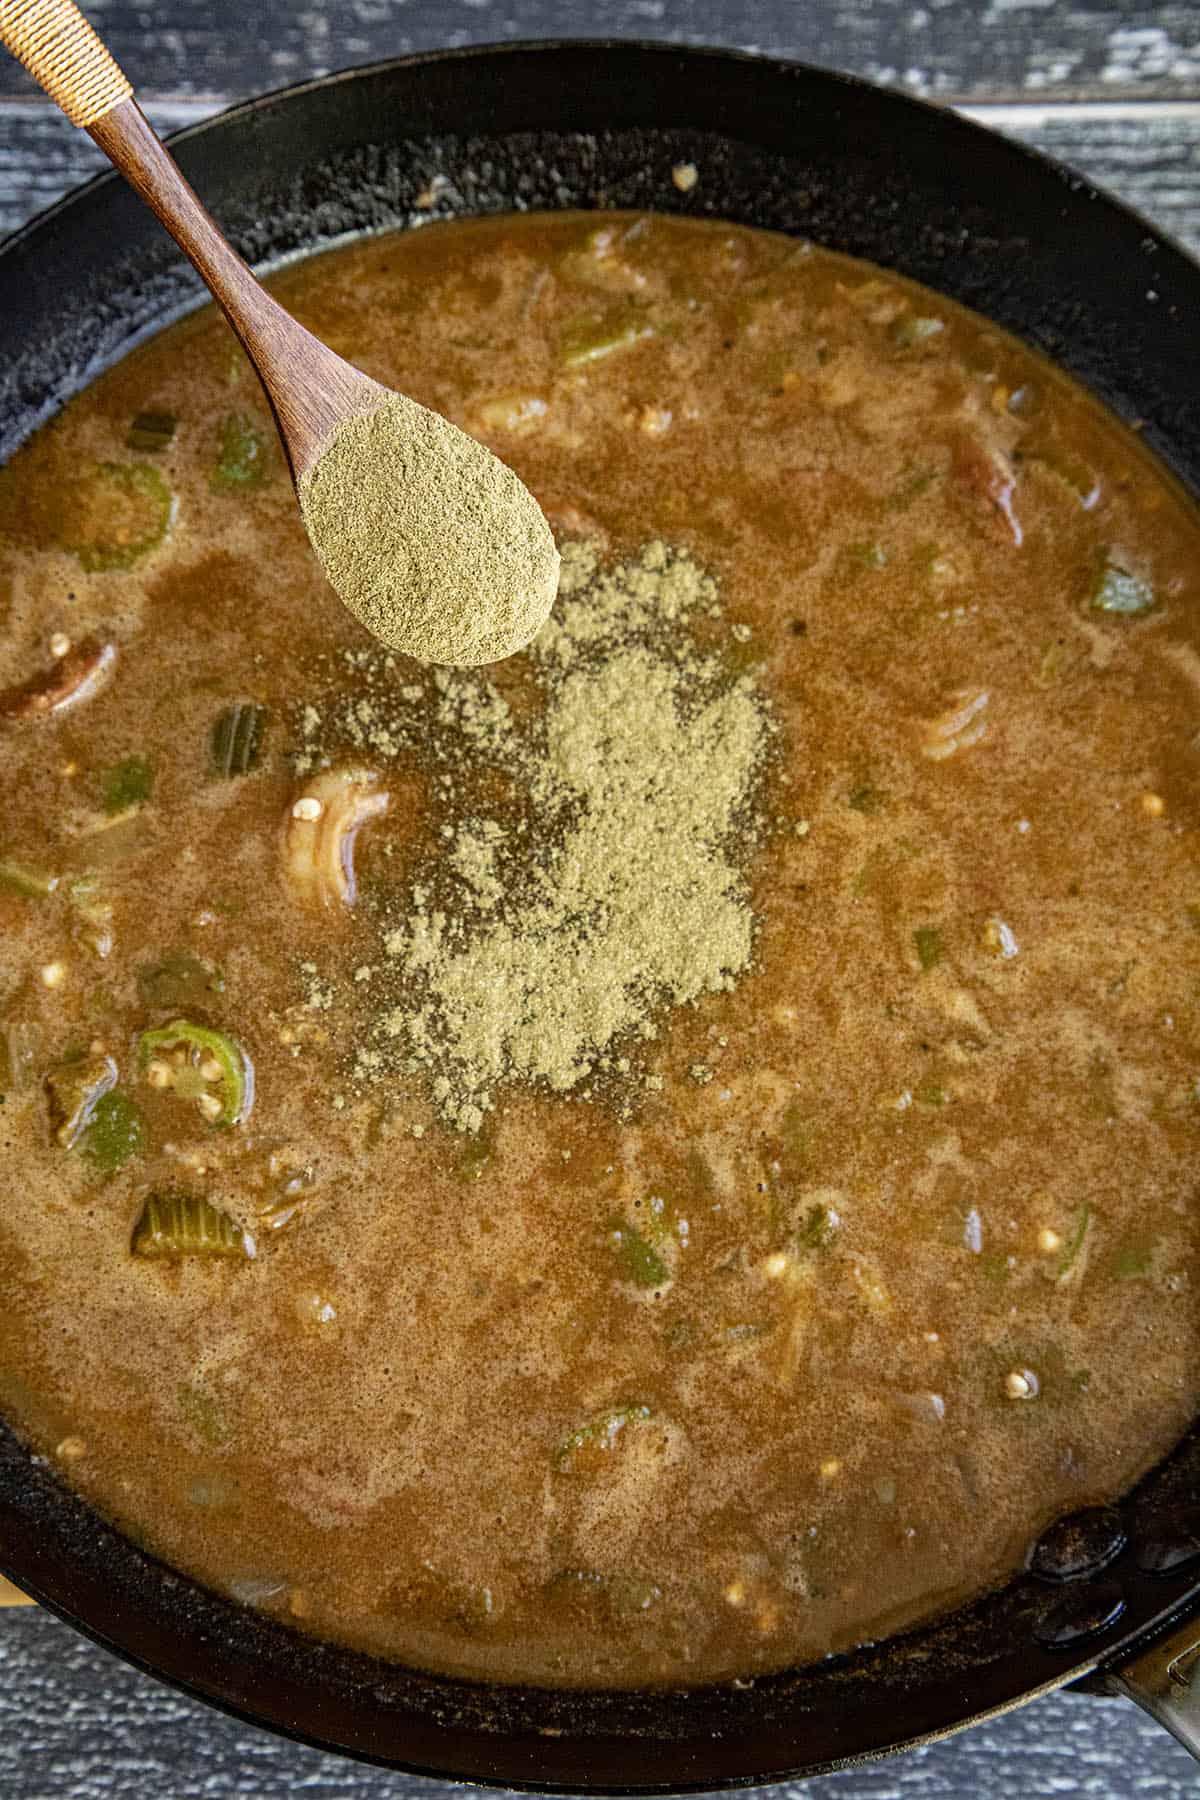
<point>1108,1595</point>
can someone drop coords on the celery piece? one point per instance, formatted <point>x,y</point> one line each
<point>241,457</point>
<point>621,1595</point>
<point>911,488</point>
<point>127,784</point>
<point>18,1049</point>
<point>1133,1259</point>
<point>1073,475</point>
<point>868,554</point>
<point>640,1262</point>
<point>589,342</point>
<point>928,941</point>
<point>701,1180</point>
<point>203,1414</point>
<point>599,1433</point>
<point>817,1229</point>
<point>476,1153</point>
<point>31,884</point>
<point>180,980</point>
<point>1074,1243</point>
<point>151,432</point>
<point>909,331</point>
<point>865,798</point>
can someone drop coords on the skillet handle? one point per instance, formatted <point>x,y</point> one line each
<point>1165,1681</point>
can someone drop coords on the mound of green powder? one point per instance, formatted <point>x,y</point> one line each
<point>548,933</point>
<point>431,541</point>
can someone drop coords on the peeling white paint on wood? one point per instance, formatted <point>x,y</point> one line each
<point>1148,153</point>
<point>952,49</point>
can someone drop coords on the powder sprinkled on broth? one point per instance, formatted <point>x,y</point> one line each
<point>528,949</point>
<point>628,898</point>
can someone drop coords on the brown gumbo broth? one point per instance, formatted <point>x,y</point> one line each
<point>826,1282</point>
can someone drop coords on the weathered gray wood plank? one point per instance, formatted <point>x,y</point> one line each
<point>75,1724</point>
<point>978,49</point>
<point>1148,153</point>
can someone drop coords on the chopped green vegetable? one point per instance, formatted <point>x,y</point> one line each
<point>599,1434</point>
<point>748,1331</point>
<point>18,1052</point>
<point>640,1262</point>
<point>187,1225</point>
<point>994,1266</point>
<point>818,1229</point>
<point>1133,1259</point>
<point>429,1593</point>
<point>701,1180</point>
<point>590,342</point>
<point>202,1065</point>
<point>932,1093</point>
<point>113,1134</point>
<point>1101,1090</point>
<point>216,1491</point>
<point>151,432</point>
<point>236,741</point>
<point>179,981</point>
<point>75,1087</point>
<point>1075,1242</point>
<point>866,798</point>
<point>476,1153</point>
<point>202,1412</point>
<point>796,1133</point>
<point>1070,472</point>
<point>31,884</point>
<point>868,555</point>
<point>86,895</point>
<point>241,459</point>
<point>1122,593</point>
<point>117,515</point>
<point>586,1590</point>
<point>910,489</point>
<point>127,784</point>
<point>908,330</point>
<point>928,940</point>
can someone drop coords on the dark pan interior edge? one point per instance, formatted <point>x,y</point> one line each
<point>786,147</point>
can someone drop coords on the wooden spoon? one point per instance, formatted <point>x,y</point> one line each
<point>485,571</point>
<point>310,389</point>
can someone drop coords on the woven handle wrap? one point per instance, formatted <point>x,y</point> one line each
<point>62,52</point>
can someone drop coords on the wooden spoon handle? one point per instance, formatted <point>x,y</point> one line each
<point>131,143</point>
<point>62,53</point>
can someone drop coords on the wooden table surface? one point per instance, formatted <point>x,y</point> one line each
<point>1111,86</point>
